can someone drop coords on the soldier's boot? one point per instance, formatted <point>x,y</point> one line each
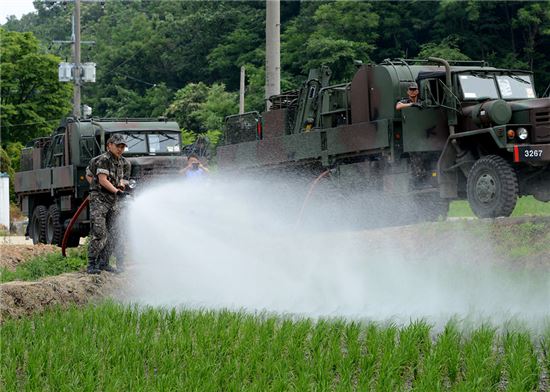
<point>93,267</point>
<point>105,266</point>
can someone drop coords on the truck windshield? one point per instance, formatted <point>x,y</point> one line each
<point>478,86</point>
<point>490,86</point>
<point>163,142</point>
<point>152,143</point>
<point>515,86</point>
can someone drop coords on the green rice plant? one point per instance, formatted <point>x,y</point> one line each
<point>46,265</point>
<point>482,364</point>
<point>520,362</point>
<point>368,339</point>
<point>414,345</point>
<point>388,377</point>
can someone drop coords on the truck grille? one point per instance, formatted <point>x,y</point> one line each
<point>541,132</point>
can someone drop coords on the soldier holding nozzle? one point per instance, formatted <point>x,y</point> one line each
<point>107,173</point>
<point>412,98</point>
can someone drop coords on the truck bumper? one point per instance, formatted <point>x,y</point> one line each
<point>532,153</point>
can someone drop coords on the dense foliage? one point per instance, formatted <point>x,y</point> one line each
<point>31,97</point>
<point>121,348</point>
<point>150,54</point>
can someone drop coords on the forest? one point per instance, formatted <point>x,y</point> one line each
<point>181,59</point>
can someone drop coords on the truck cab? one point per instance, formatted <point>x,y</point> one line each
<point>51,183</point>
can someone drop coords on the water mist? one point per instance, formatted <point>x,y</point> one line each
<point>235,244</point>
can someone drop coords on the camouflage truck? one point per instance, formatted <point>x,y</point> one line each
<point>51,183</point>
<point>480,133</point>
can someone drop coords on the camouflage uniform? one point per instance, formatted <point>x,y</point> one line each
<point>104,207</point>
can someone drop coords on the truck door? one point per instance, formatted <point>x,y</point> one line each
<point>425,128</point>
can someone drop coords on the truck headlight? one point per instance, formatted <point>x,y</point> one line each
<point>522,133</point>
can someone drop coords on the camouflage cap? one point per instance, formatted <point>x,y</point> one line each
<point>413,85</point>
<point>117,138</point>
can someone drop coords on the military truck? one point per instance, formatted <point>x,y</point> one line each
<point>480,133</point>
<point>51,183</point>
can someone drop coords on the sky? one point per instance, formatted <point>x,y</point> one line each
<point>14,7</point>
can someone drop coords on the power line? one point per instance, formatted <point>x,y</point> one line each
<point>125,61</point>
<point>23,125</point>
<point>136,79</point>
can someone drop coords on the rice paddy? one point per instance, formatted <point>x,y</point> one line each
<point>115,347</point>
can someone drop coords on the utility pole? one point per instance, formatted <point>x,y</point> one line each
<point>77,72</point>
<point>76,52</point>
<point>241,91</point>
<point>272,49</point>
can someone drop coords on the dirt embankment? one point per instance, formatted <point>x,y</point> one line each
<point>18,298</point>
<point>24,298</point>
<point>13,255</point>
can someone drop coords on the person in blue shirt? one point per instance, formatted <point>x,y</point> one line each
<point>194,168</point>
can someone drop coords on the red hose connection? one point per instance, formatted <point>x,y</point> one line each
<point>311,188</point>
<point>71,223</point>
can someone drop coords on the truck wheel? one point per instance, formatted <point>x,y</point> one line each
<point>492,187</point>
<point>54,230</point>
<point>38,225</point>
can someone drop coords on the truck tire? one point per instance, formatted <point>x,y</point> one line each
<point>492,187</point>
<point>38,225</point>
<point>54,230</point>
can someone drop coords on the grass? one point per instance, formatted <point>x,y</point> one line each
<point>511,241</point>
<point>525,206</point>
<point>113,347</point>
<point>46,265</point>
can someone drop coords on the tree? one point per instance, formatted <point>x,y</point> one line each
<point>130,103</point>
<point>218,104</point>
<point>32,99</point>
<point>201,109</point>
<point>446,49</point>
<point>335,35</point>
<point>534,20</point>
<point>187,102</point>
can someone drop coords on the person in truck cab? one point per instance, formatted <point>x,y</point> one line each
<point>412,98</point>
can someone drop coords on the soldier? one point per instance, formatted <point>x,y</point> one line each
<point>411,100</point>
<point>108,172</point>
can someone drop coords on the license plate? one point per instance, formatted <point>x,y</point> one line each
<point>535,152</point>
